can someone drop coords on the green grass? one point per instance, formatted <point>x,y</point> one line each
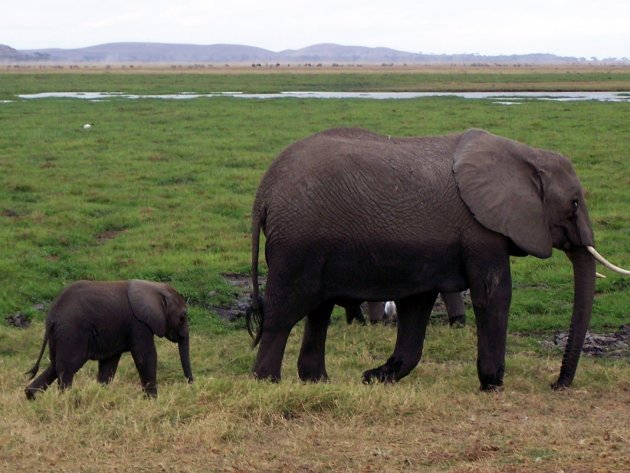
<point>163,190</point>
<point>357,79</point>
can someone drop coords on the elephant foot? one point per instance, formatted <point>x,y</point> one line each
<point>560,385</point>
<point>313,377</point>
<point>313,371</point>
<point>31,392</point>
<point>386,373</point>
<point>492,382</point>
<point>261,375</point>
<point>265,371</point>
<point>457,321</point>
<point>149,388</point>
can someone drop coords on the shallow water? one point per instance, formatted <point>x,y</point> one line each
<point>503,98</point>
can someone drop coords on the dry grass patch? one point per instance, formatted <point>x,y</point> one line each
<point>505,432</point>
<point>434,420</point>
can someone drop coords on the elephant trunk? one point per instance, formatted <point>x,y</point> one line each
<point>184,355</point>
<point>583,295</point>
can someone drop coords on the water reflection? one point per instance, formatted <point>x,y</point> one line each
<point>503,98</point>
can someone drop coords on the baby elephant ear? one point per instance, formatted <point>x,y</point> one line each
<point>501,183</point>
<point>148,304</point>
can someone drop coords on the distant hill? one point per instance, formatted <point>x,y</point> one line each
<point>117,53</point>
<point>326,54</point>
<point>8,54</point>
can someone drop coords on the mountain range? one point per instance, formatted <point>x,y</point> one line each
<point>326,54</point>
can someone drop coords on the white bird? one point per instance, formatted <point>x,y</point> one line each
<point>87,126</point>
<point>390,309</point>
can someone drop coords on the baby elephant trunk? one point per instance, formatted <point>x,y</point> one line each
<point>184,355</point>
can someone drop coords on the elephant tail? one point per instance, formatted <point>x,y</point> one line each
<point>254,315</point>
<point>254,320</point>
<point>33,371</point>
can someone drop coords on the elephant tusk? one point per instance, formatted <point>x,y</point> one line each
<point>606,263</point>
<point>599,275</point>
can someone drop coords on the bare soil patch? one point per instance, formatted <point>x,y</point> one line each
<point>108,235</point>
<point>242,290</point>
<point>610,345</point>
<point>18,320</point>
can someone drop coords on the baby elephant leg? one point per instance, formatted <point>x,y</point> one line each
<point>70,358</point>
<point>145,359</point>
<point>66,371</point>
<point>41,383</point>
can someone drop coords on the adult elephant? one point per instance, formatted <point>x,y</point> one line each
<point>462,205</point>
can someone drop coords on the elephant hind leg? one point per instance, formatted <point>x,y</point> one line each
<point>268,362</point>
<point>107,369</point>
<point>455,309</point>
<point>41,383</point>
<point>66,370</point>
<point>311,362</point>
<point>376,312</point>
<point>70,356</point>
<point>284,306</point>
<point>413,316</point>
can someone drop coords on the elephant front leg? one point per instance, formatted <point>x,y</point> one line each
<point>491,296</point>
<point>413,316</point>
<point>41,383</point>
<point>107,369</point>
<point>145,358</point>
<point>311,362</point>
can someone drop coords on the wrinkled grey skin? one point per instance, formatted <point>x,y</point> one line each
<point>93,320</point>
<point>462,205</point>
<point>453,301</point>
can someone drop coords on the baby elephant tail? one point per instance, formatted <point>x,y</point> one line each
<point>33,371</point>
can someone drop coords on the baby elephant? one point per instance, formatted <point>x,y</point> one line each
<point>100,320</point>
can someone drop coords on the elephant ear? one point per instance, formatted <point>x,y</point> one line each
<point>500,181</point>
<point>148,303</point>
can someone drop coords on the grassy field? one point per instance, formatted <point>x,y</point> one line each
<point>162,190</point>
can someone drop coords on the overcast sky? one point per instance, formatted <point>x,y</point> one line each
<point>580,28</point>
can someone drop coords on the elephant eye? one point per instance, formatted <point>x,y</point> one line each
<point>575,203</point>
